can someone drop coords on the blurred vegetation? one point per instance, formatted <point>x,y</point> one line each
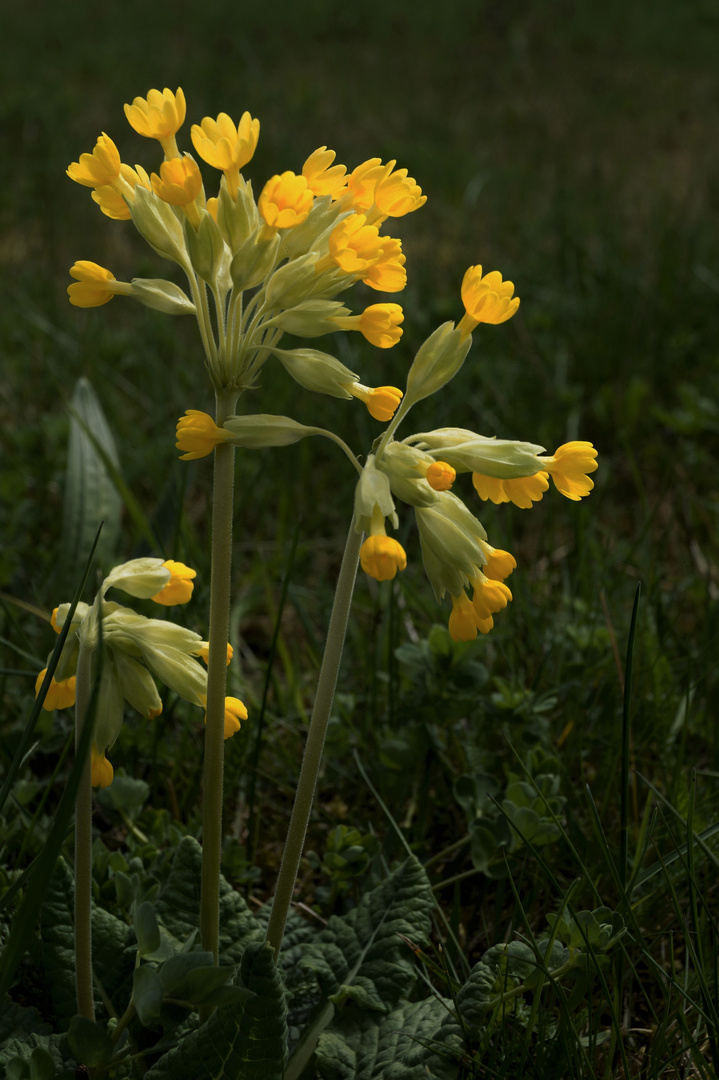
<point>571,146</point>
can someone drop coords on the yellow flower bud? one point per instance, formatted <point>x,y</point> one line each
<point>198,435</point>
<point>381,401</point>
<point>179,588</point>
<point>382,556</point>
<point>95,285</point>
<point>464,622</point>
<point>379,324</point>
<point>440,476</point>
<point>179,184</point>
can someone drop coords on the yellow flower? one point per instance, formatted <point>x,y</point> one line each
<point>53,622</point>
<point>101,770</point>
<point>464,621</point>
<point>440,476</point>
<point>569,466</point>
<point>379,324</point>
<point>179,588</point>
<point>522,491</point>
<point>489,596</point>
<point>397,194</point>
<point>322,176</point>
<point>382,556</point>
<point>387,273</point>
<point>159,116</point>
<point>285,201</point>
<point>234,712</point>
<point>198,435</point>
<point>113,198</point>
<point>381,401</point>
<point>353,246</point>
<point>94,285</point>
<point>486,299</point>
<point>60,694</point>
<point>226,146</point>
<point>499,564</point>
<point>179,183</point>
<point>362,182</point>
<point>204,652</point>
<point>100,167</point>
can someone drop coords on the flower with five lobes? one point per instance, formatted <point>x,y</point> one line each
<point>135,651</point>
<point>285,201</point>
<point>378,323</point>
<point>486,299</point>
<point>100,167</point>
<point>324,178</point>
<point>227,146</point>
<point>94,286</point>
<point>159,116</point>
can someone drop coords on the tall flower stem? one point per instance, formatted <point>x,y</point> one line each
<point>83,846</point>
<point>220,583</point>
<point>315,741</point>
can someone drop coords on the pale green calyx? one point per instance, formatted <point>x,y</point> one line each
<point>450,536</point>
<point>437,361</point>
<point>317,371</point>
<point>253,261</point>
<point>265,429</point>
<point>162,296</point>
<point>311,318</point>
<point>292,283</point>
<point>465,451</point>
<point>206,247</point>
<point>142,578</point>
<point>158,223</point>
<point>373,490</point>
<point>237,218</point>
<point>405,466</point>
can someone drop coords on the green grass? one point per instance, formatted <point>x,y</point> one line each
<point>572,148</point>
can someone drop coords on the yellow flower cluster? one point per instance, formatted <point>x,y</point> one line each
<point>135,651</point>
<point>309,236</point>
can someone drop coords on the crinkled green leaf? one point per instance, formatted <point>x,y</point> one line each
<point>113,955</point>
<point>22,1050</point>
<point>42,1064</point>
<point>57,922</point>
<point>175,972</point>
<point>238,1042</point>
<point>19,1021</point>
<point>178,905</point>
<point>146,929</point>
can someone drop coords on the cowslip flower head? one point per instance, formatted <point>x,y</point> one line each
<point>378,323</point>
<point>60,694</point>
<point>324,178</point>
<point>95,285</point>
<point>382,401</point>
<point>100,167</point>
<point>159,116</point>
<point>198,435</point>
<point>569,466</point>
<point>179,588</point>
<point>226,146</point>
<point>486,298</point>
<point>285,201</point>
<point>523,491</point>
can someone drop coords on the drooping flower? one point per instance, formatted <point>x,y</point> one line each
<point>60,694</point>
<point>101,770</point>
<point>489,596</point>
<point>569,466</point>
<point>486,299</point>
<point>159,116</point>
<point>378,323</point>
<point>523,491</point>
<point>464,621</point>
<point>285,201</point>
<point>235,711</point>
<point>382,556</point>
<point>100,167</point>
<point>198,435</point>
<point>179,588</point>
<point>381,401</point>
<point>204,652</point>
<point>227,146</point>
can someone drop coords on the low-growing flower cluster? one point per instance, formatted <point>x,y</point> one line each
<point>129,651</point>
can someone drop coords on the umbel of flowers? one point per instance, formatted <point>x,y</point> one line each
<point>256,268</point>
<point>421,470</point>
<point>129,651</point>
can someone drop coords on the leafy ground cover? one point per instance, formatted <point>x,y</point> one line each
<point>553,802</point>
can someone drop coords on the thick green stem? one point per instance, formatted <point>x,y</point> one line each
<point>83,847</point>
<point>315,741</point>
<point>222,498</point>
